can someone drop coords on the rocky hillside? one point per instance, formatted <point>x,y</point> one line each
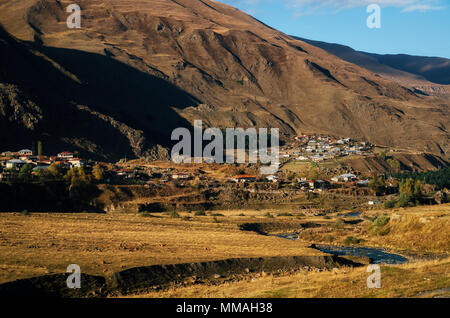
<point>141,68</point>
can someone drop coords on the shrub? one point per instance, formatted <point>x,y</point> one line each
<point>389,204</point>
<point>339,224</point>
<point>394,164</point>
<point>351,240</point>
<point>174,214</point>
<point>383,231</point>
<point>284,214</point>
<point>377,184</point>
<point>379,225</point>
<point>404,200</point>
<point>269,215</point>
<point>381,220</point>
<point>200,213</point>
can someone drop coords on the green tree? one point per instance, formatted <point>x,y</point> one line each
<point>410,192</point>
<point>56,171</point>
<point>25,172</point>
<point>42,174</point>
<point>394,164</point>
<point>377,184</point>
<point>383,155</point>
<point>407,187</point>
<point>417,194</point>
<point>404,200</point>
<point>98,172</point>
<point>77,177</point>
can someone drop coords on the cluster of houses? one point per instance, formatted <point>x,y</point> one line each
<point>312,147</point>
<point>309,185</point>
<point>11,162</point>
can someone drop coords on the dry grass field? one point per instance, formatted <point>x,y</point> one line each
<point>38,244</point>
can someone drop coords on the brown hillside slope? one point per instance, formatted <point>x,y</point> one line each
<point>242,72</point>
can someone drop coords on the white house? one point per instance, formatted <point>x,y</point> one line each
<point>77,162</point>
<point>317,158</point>
<point>181,176</point>
<point>15,163</point>
<point>344,177</point>
<point>65,155</point>
<point>25,152</point>
<point>243,178</point>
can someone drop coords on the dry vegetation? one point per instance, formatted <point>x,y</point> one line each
<point>37,244</point>
<point>418,229</point>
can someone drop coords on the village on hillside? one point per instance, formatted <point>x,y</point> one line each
<point>319,148</point>
<point>307,147</point>
<point>307,164</point>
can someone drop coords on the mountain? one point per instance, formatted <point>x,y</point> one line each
<point>431,74</point>
<point>41,100</point>
<point>138,69</point>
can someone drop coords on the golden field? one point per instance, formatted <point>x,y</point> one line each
<point>38,244</point>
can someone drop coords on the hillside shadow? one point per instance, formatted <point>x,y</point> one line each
<point>116,89</point>
<point>141,101</point>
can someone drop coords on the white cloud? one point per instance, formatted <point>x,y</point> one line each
<point>422,8</point>
<point>310,6</point>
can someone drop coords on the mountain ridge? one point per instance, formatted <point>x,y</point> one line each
<point>430,74</point>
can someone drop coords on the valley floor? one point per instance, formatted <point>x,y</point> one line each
<point>39,244</point>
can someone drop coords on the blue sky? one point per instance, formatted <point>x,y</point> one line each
<point>417,27</point>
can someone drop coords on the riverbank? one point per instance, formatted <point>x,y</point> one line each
<point>422,279</point>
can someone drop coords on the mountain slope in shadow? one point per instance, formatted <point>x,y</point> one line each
<point>83,101</point>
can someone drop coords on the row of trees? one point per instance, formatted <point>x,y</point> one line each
<point>76,176</point>
<point>439,178</point>
<point>411,193</point>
